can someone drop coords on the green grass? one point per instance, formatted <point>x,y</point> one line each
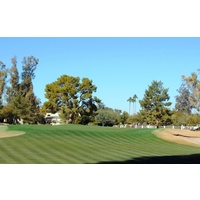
<point>86,144</point>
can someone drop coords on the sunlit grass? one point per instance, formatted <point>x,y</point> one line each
<point>85,144</point>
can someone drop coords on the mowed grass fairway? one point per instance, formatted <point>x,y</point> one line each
<point>71,144</point>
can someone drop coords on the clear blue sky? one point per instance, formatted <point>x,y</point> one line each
<point>119,67</point>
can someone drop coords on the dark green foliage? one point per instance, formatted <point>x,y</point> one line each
<point>72,98</point>
<point>21,100</point>
<point>13,90</point>
<point>155,105</point>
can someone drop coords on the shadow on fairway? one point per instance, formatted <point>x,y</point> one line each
<point>183,159</point>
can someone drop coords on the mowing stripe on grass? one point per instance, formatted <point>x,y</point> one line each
<point>84,144</point>
<point>5,157</point>
<point>70,150</point>
<point>13,154</point>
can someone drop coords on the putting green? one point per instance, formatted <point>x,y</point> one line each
<point>4,132</point>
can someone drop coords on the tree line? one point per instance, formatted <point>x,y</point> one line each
<point>17,98</point>
<point>155,105</point>
<point>73,98</point>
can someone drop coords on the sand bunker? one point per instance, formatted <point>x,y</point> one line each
<point>4,133</point>
<point>180,136</point>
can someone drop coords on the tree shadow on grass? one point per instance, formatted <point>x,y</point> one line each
<point>177,159</point>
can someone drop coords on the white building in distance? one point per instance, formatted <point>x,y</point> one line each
<point>53,119</point>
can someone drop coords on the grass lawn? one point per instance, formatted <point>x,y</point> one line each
<point>45,144</point>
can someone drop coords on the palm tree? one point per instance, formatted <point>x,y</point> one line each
<point>130,101</point>
<point>134,101</point>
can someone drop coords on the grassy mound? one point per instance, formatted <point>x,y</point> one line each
<point>85,144</point>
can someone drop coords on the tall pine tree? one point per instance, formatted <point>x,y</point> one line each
<point>13,90</point>
<point>155,105</point>
<point>21,100</point>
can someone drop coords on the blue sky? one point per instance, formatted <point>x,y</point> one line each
<point>119,67</point>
